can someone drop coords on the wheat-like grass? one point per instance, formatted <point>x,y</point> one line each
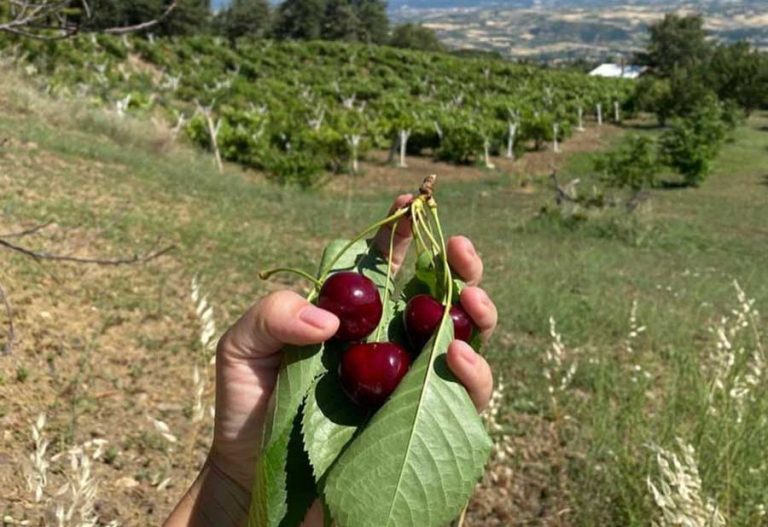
<point>81,490</point>
<point>678,491</point>
<point>37,473</point>
<point>557,372</point>
<point>204,312</point>
<point>728,376</point>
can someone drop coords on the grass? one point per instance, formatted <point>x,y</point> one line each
<point>125,340</point>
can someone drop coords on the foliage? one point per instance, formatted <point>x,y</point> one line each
<point>739,73</point>
<point>676,43</point>
<point>187,18</point>
<point>243,18</point>
<point>691,144</point>
<point>350,20</point>
<point>632,164</point>
<point>415,36</point>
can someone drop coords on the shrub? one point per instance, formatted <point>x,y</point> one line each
<point>692,143</point>
<point>633,164</point>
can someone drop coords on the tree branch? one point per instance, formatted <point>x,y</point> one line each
<point>97,261</point>
<point>27,16</point>
<point>26,232</point>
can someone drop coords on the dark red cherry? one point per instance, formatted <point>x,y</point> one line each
<point>462,324</point>
<point>422,316</point>
<point>355,300</point>
<point>370,372</point>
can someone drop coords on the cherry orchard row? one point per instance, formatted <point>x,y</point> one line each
<point>300,109</point>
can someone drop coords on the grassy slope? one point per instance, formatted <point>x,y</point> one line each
<point>101,349</point>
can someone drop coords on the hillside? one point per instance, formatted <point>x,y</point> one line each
<point>300,110</point>
<point>595,30</point>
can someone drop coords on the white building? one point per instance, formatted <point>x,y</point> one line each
<point>618,71</point>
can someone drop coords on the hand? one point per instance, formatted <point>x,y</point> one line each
<point>248,360</point>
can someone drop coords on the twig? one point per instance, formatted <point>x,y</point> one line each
<point>143,25</point>
<point>26,232</point>
<point>11,334</point>
<point>98,261</point>
<point>30,18</point>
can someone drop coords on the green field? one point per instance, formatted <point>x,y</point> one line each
<point>115,345</point>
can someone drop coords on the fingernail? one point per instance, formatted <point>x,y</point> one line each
<point>468,355</point>
<point>314,316</point>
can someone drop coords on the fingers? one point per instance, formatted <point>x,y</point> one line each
<point>464,260</point>
<point>481,310</point>
<point>403,234</point>
<point>281,318</point>
<point>472,371</point>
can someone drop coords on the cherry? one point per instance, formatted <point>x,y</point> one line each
<point>422,316</point>
<point>355,300</point>
<point>462,324</point>
<point>370,372</point>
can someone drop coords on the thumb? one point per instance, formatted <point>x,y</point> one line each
<point>278,319</point>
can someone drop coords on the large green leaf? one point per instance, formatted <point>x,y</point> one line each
<point>298,371</point>
<point>330,421</point>
<point>300,485</point>
<point>417,461</point>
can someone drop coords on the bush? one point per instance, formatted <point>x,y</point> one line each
<point>633,164</point>
<point>691,144</point>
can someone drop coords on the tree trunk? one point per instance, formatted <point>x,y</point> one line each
<point>511,141</point>
<point>555,144</point>
<point>599,114</point>
<point>404,134</point>
<point>580,128</point>
<point>616,111</point>
<point>487,154</point>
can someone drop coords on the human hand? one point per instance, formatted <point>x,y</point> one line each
<point>248,360</point>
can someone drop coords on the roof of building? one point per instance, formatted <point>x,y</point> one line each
<point>617,71</point>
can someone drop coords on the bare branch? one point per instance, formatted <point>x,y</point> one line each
<point>137,258</point>
<point>26,232</point>
<point>8,349</point>
<point>143,25</point>
<point>32,20</point>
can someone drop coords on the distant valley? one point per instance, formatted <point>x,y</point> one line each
<point>554,31</point>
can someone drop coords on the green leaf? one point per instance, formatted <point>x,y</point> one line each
<point>300,485</point>
<point>346,261</point>
<point>299,369</point>
<point>330,420</point>
<point>417,461</point>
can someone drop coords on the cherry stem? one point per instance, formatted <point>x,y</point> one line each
<point>388,283</point>
<point>266,275</point>
<point>444,258</point>
<point>399,213</point>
